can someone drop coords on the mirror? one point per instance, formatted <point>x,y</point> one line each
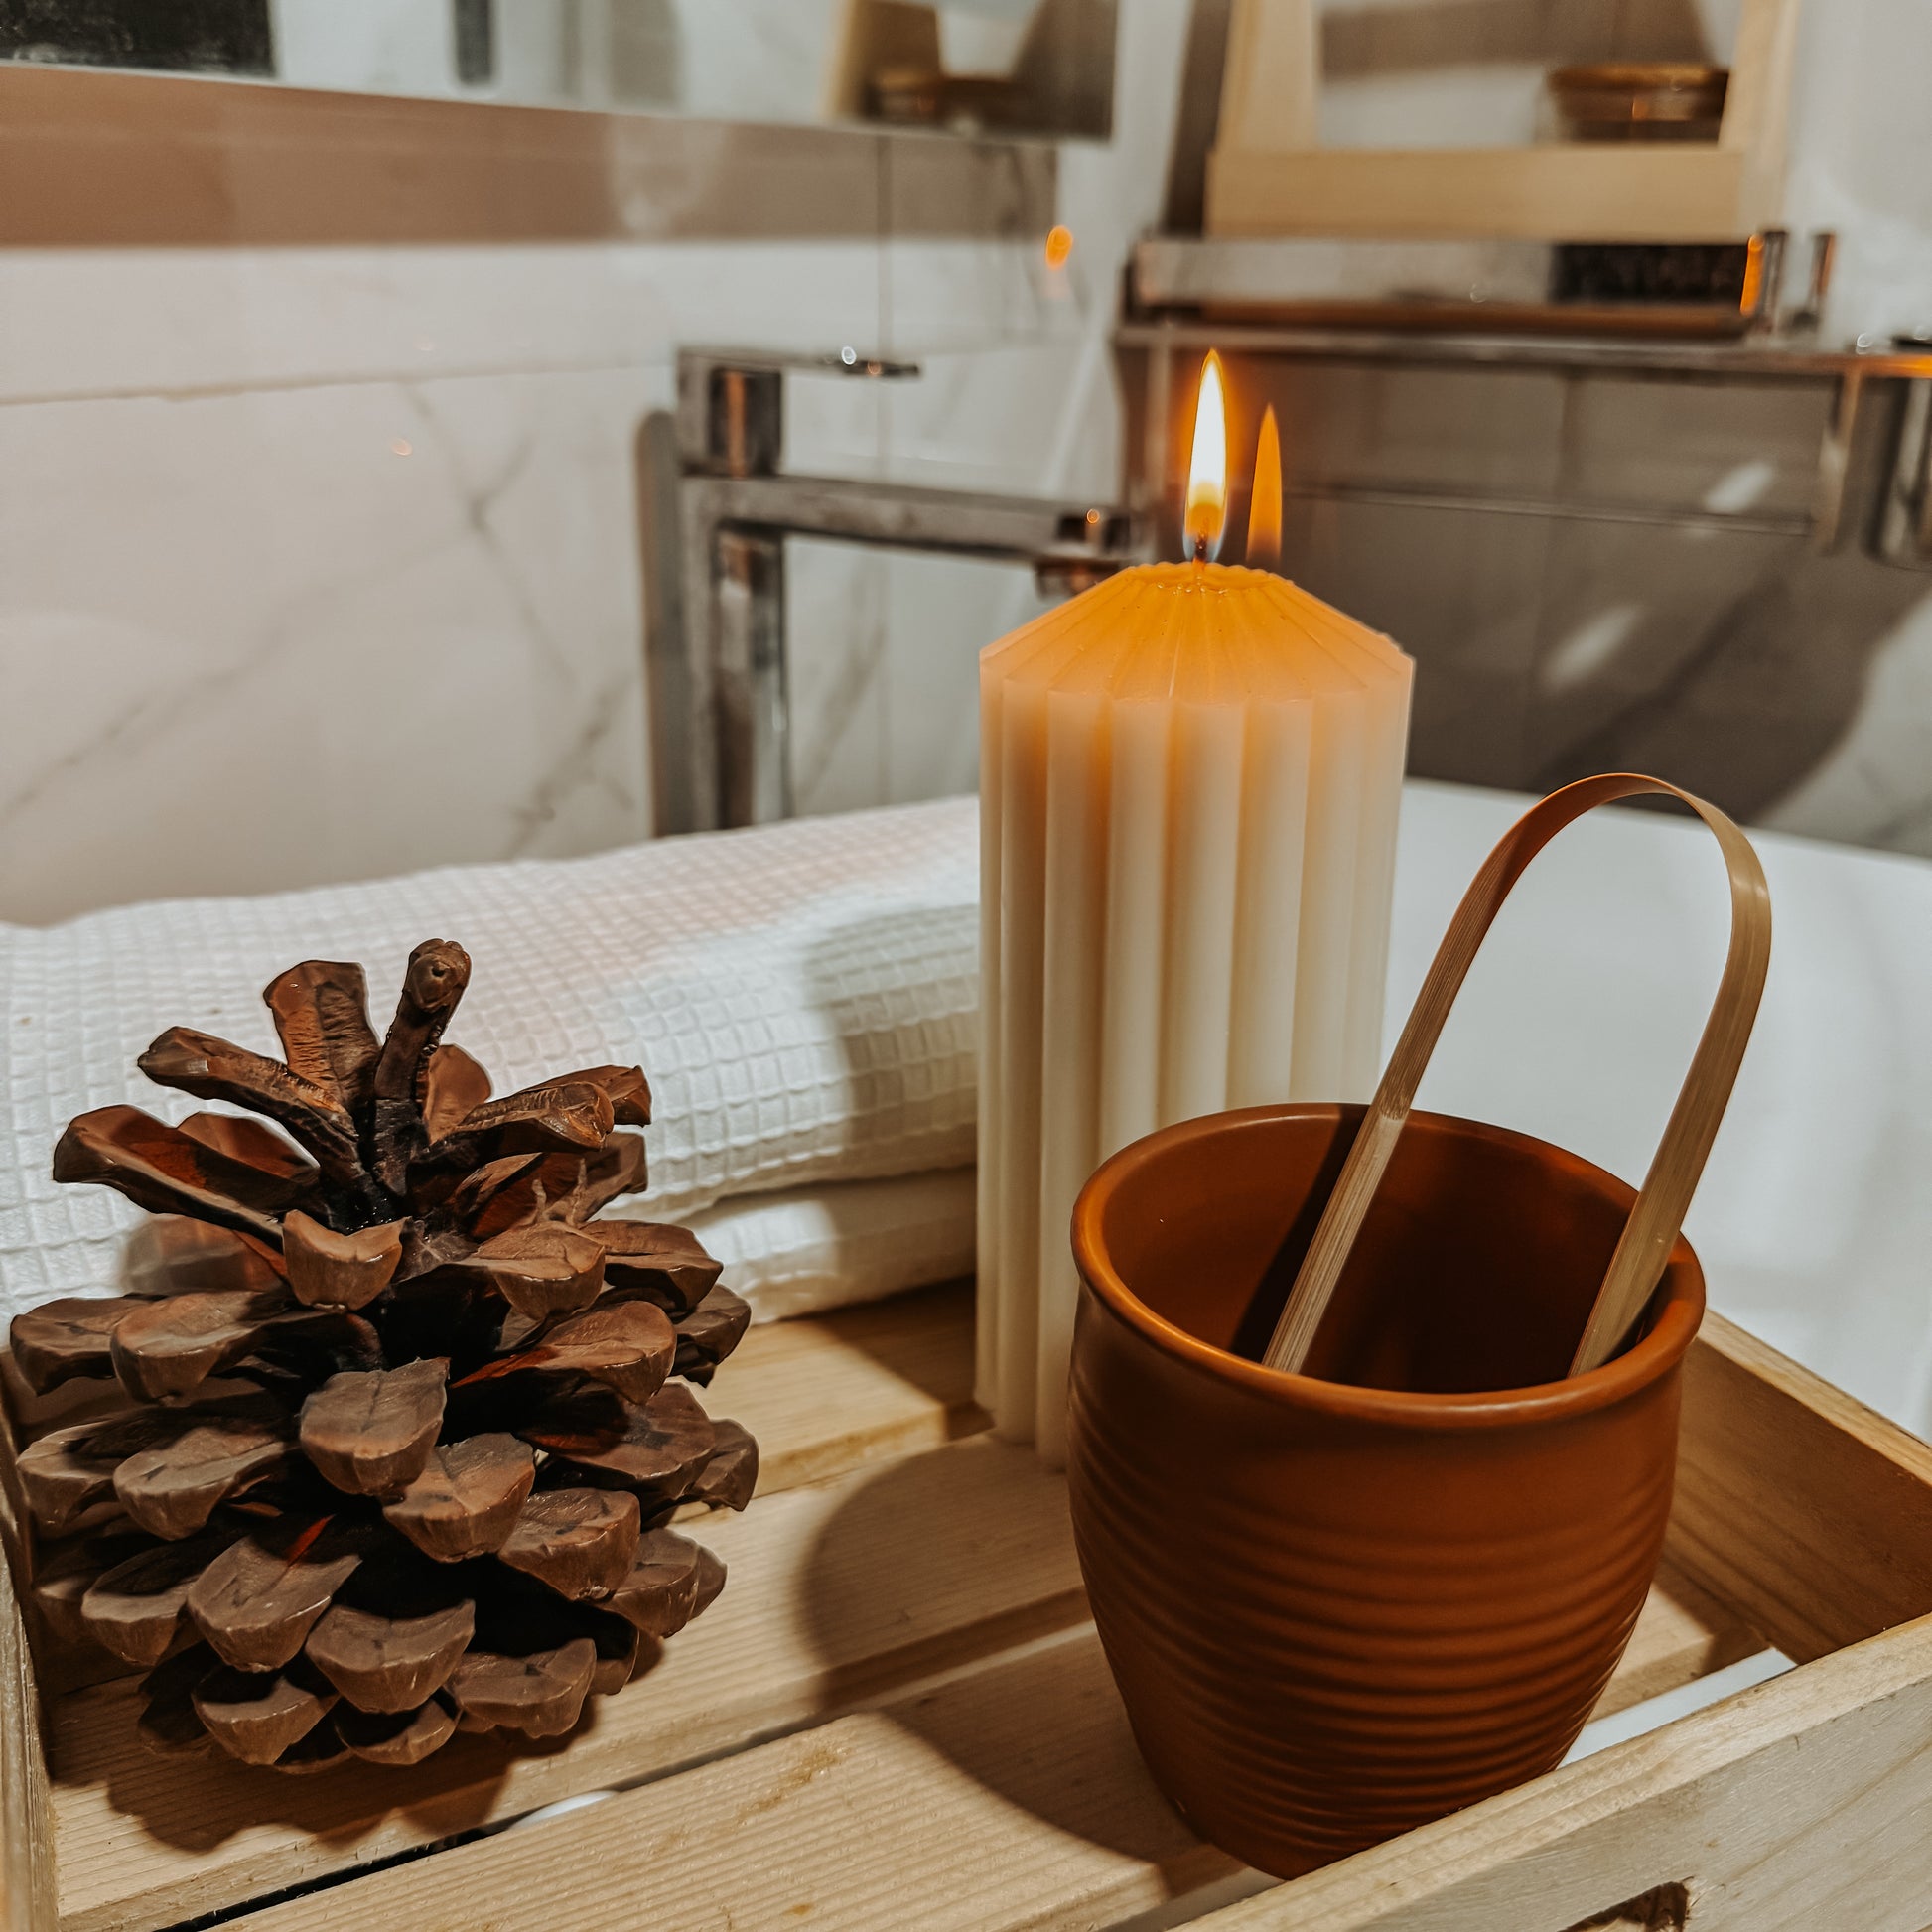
<point>1010,67</point>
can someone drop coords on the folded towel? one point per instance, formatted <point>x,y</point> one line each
<point>821,1247</point>
<point>803,997</point>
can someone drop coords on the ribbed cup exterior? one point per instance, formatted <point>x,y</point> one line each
<point>1334,1612</point>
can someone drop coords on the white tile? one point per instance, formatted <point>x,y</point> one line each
<point>941,613</point>
<point>1875,787</point>
<point>1858,158</point>
<point>87,323</point>
<point>836,662</point>
<point>1035,421</point>
<point>252,645</point>
<point>965,295</point>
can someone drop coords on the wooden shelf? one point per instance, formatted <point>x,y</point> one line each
<point>1270,175</point>
<point>1621,193</point>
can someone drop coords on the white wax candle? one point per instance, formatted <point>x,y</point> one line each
<point>1203,860</point>
<point>1023,959</point>
<point>1190,787</point>
<point>1268,922</point>
<point>986,1357</point>
<point>1136,919</point>
<point>1326,953</point>
<point>1075,943</point>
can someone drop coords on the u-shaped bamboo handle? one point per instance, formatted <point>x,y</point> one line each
<point>1657,1214</point>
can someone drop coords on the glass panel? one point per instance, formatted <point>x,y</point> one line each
<point>1029,68</point>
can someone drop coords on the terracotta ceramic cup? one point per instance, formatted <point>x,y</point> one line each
<point>1340,1604</point>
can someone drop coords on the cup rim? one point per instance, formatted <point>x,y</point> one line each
<point>1653,1355</point>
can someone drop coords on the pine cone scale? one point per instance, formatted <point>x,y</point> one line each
<point>540,1693</point>
<point>386,1665</point>
<point>370,1434</point>
<point>406,1737</point>
<point>63,1339</point>
<point>466,1499</point>
<point>580,1543</point>
<point>348,1271</point>
<point>322,1017</point>
<point>173,1489</point>
<point>257,1602</point>
<point>214,1069</point>
<point>135,1608</point>
<point>256,1716</point>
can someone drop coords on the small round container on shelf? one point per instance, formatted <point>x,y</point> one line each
<point>1641,100</point>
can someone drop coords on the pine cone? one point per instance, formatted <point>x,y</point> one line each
<point>402,1449</point>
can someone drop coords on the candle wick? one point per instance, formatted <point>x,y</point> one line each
<point>1200,554</point>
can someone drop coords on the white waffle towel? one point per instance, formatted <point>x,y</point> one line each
<point>803,997</point>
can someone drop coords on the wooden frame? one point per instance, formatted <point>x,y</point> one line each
<point>898,1715</point>
<point>1269,175</point>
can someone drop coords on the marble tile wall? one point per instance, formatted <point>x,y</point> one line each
<point>324,564</point>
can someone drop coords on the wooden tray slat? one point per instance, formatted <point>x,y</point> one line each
<point>1795,1503</point>
<point>26,1820</point>
<point>1012,1796</point>
<point>836,1593</point>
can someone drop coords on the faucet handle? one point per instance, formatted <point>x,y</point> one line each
<point>731,402</point>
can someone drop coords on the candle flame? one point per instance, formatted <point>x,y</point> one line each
<point>1265,504</point>
<point>1207,470</point>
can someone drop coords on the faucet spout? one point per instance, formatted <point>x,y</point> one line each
<point>718,507</point>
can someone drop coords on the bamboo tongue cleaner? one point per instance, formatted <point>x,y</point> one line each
<point>1657,1216</point>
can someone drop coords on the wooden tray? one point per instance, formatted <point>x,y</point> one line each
<point>898,1715</point>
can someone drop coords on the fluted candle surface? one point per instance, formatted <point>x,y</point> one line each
<point>1190,778</point>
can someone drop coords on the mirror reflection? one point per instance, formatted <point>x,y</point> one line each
<point>1008,66</point>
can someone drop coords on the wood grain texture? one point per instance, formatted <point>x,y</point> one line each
<point>857,1387</point>
<point>1807,1513</point>
<point>1012,1797</point>
<point>1610,191</point>
<point>27,1887</point>
<point>837,1593</point>
<point>1009,1794</point>
<point>1272,78</point>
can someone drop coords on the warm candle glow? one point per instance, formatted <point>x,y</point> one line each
<point>1207,470</point>
<point>1265,504</point>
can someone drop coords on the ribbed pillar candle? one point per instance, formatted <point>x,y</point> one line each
<point>1190,777</point>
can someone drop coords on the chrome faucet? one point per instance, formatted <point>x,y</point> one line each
<point>716,509</point>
